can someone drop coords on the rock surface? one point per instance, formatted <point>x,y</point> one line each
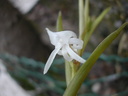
<point>8,86</point>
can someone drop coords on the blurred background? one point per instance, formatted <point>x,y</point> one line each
<point>25,47</point>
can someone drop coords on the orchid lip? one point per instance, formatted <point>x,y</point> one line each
<point>51,58</point>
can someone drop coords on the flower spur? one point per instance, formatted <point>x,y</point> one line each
<point>66,44</point>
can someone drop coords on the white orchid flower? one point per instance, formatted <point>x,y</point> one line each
<point>66,44</point>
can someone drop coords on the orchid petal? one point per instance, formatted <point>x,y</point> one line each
<point>77,43</point>
<point>51,58</point>
<point>53,37</point>
<point>66,34</point>
<point>74,55</point>
<point>65,54</point>
<point>63,35</point>
<point>60,52</point>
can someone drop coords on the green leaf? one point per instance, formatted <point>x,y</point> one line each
<point>93,27</point>
<point>99,19</point>
<point>82,73</point>
<point>59,24</point>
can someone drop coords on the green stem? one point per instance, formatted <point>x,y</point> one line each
<point>75,67</point>
<point>81,17</point>
<point>68,72</point>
